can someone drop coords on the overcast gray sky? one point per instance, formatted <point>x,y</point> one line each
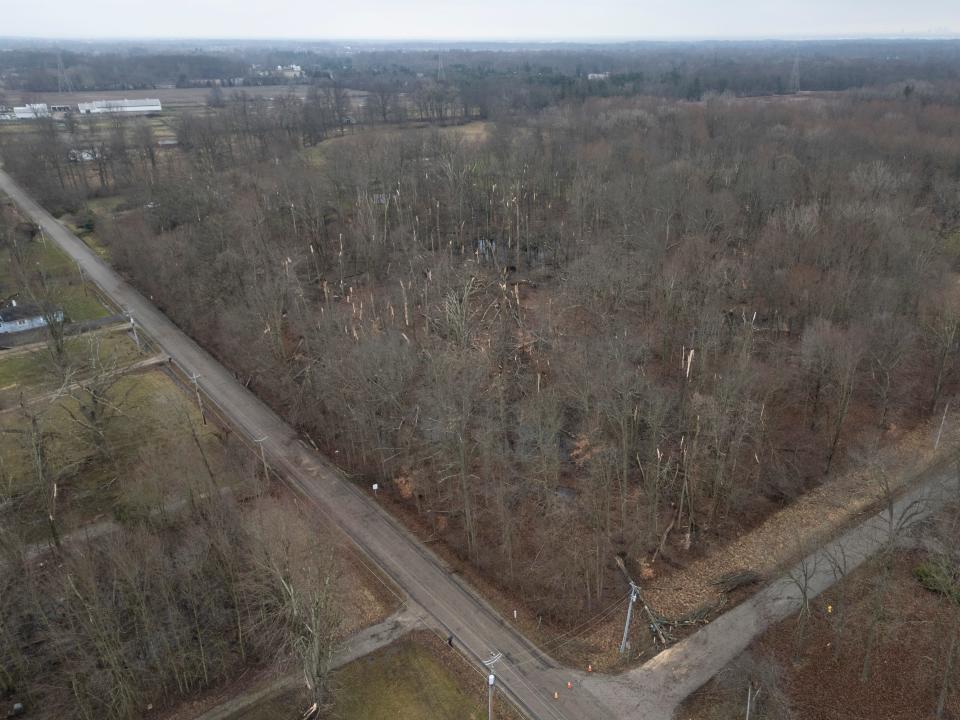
<point>478,19</point>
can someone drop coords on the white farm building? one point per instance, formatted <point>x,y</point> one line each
<point>29,112</point>
<point>119,106</point>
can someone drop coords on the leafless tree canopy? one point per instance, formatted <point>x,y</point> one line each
<point>569,332</point>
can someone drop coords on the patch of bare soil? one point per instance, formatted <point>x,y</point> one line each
<point>870,651</point>
<point>248,682</point>
<point>808,522</point>
<point>771,547</point>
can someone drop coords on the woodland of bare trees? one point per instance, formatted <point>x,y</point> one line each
<point>188,573</point>
<point>585,330</point>
<point>157,611</point>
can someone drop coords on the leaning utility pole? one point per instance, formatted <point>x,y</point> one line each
<point>656,622</point>
<point>634,594</point>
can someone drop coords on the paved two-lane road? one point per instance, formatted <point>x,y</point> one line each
<point>527,676</point>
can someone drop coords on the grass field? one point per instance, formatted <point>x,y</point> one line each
<point>470,132</point>
<point>407,680</point>
<point>169,97</point>
<point>29,371</point>
<point>79,300</point>
<point>151,419</point>
<point>99,207</point>
<point>404,681</point>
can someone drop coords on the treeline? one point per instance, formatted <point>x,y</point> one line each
<point>616,327</point>
<point>149,615</point>
<point>529,75</point>
<point>677,70</point>
<point>40,70</point>
<point>82,156</point>
<point>199,577</point>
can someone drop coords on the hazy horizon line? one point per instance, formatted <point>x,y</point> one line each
<point>573,40</point>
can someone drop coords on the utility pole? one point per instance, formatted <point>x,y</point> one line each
<point>133,325</point>
<point>491,681</point>
<point>751,698</point>
<point>196,389</point>
<point>263,457</point>
<point>940,431</point>
<point>63,81</point>
<point>634,594</point>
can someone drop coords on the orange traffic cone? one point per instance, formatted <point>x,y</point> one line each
<point>569,685</point>
<point>589,668</point>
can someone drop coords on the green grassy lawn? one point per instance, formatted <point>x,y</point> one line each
<point>79,300</point>
<point>472,132</point>
<point>404,681</point>
<point>151,431</point>
<point>288,705</point>
<point>31,372</point>
<point>106,205</point>
<point>14,128</point>
<point>89,237</point>
<point>81,303</point>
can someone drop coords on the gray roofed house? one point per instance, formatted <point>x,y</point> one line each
<point>17,317</point>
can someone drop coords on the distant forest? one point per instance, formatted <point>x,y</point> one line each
<point>540,74</point>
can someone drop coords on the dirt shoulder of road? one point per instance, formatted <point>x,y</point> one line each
<point>810,520</point>
<point>820,673</point>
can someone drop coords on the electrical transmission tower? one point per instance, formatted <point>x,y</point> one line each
<point>63,82</point>
<point>795,75</point>
<point>440,75</point>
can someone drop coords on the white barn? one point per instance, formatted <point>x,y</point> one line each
<point>97,107</point>
<point>29,112</point>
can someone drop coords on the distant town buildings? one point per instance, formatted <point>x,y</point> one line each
<point>290,71</point>
<point>120,106</point>
<point>598,76</point>
<point>31,111</point>
<point>285,71</point>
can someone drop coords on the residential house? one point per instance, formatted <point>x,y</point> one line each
<point>16,317</point>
